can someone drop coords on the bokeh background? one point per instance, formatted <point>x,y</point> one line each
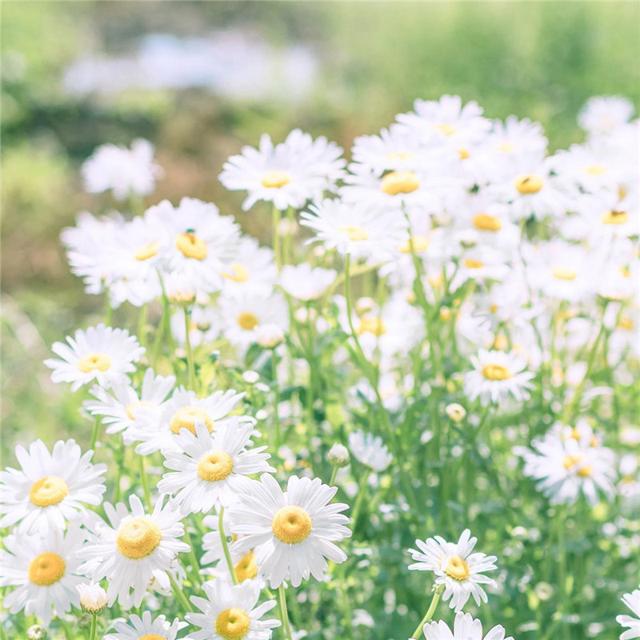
<point>199,79</point>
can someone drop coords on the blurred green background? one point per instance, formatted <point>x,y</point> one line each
<point>334,68</point>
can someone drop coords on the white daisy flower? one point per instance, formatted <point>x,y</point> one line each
<point>306,283</point>
<point>252,269</point>
<point>603,114</point>
<point>145,628</point>
<point>287,174</point>
<point>120,406</point>
<point>201,244</point>
<point>496,376</point>
<point>632,623</point>
<point>517,138</point>
<point>456,567</point>
<point>184,410</point>
<point>123,171</point>
<point>133,548</point>
<point>99,354</point>
<point>362,232</point>
<point>293,532</point>
<point>465,627</point>
<point>370,450</point>
<point>50,488</point>
<point>210,468</point>
<point>229,612</point>
<point>241,316</point>
<point>44,571</point>
<point>244,563</point>
<point>569,461</point>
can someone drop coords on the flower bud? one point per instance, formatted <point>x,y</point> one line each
<point>36,632</point>
<point>338,455</point>
<point>269,336</point>
<point>93,598</point>
<point>456,412</point>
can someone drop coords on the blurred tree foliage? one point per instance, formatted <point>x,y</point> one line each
<point>535,59</point>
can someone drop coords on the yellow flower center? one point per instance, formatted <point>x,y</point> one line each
<point>626,323</point>
<point>191,246</point>
<point>420,244</point>
<point>232,624</point>
<point>152,636</point>
<point>246,568</point>
<point>137,538</point>
<point>486,222</point>
<point>496,372</point>
<point>48,491</point>
<point>46,569</point>
<point>247,320</point>
<point>397,182</point>
<point>187,417</point>
<point>615,217</point>
<point>275,179</point>
<point>500,342</point>
<point>446,129</point>
<point>457,568</point>
<point>528,185</point>
<point>471,263</point>
<point>400,155</point>
<point>564,273</point>
<point>215,466</point>
<point>505,147</point>
<point>371,324</point>
<point>571,460</point>
<point>146,251</point>
<point>94,362</point>
<point>291,525</point>
<point>585,472</point>
<point>237,273</point>
<point>133,407</point>
<point>595,169</point>
<point>463,154</point>
<point>354,233</point>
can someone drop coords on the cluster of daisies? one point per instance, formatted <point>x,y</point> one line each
<point>452,268</point>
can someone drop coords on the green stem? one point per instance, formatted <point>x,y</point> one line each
<point>94,627</point>
<point>276,397</point>
<point>195,565</point>
<point>334,473</point>
<point>284,615</point>
<point>225,546</point>
<point>180,595</point>
<point>275,223</point>
<point>145,483</point>
<point>430,611</point>
<point>359,499</point>
<point>94,434</point>
<point>187,341</point>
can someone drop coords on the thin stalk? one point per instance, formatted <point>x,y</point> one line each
<point>184,603</point>
<point>195,565</point>
<point>94,627</point>
<point>276,397</point>
<point>187,341</point>
<point>94,434</point>
<point>145,483</point>
<point>359,499</point>
<point>275,224</point>
<point>225,546</point>
<point>430,611</point>
<point>334,473</point>
<point>283,613</point>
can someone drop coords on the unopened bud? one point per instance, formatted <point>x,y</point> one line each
<point>269,336</point>
<point>456,412</point>
<point>93,598</point>
<point>338,455</point>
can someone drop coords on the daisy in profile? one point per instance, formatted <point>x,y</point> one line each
<point>99,354</point>
<point>122,171</point>
<point>244,564</point>
<point>210,468</point>
<point>306,283</point>
<point>242,316</point>
<point>632,623</point>
<point>201,241</point>
<point>293,532</point>
<point>50,488</point>
<point>369,450</point>
<point>465,627</point>
<point>145,627</point>
<point>121,406</point>
<point>496,376</point>
<point>185,411</point>
<point>362,232</point>
<point>44,571</point>
<point>133,547</point>
<point>93,598</point>
<point>231,612</point>
<point>456,567</point>
<point>568,462</point>
<point>287,174</point>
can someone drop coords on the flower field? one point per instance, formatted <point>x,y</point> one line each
<point>400,403</point>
